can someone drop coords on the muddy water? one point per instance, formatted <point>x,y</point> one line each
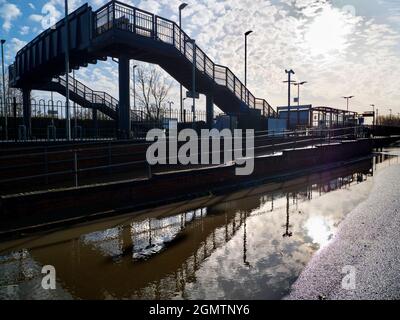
<point>250,244</point>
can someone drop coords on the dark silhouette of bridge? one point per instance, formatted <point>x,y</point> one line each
<point>121,31</point>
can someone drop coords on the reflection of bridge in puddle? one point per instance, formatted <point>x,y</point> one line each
<point>159,257</point>
<point>153,238</point>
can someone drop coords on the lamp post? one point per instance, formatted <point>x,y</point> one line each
<point>134,86</point>
<point>298,84</point>
<point>4,91</point>
<point>181,7</point>
<point>66,41</point>
<point>390,114</point>
<point>347,100</point>
<point>289,82</point>
<point>245,56</point>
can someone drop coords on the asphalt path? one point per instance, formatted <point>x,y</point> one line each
<point>363,260</point>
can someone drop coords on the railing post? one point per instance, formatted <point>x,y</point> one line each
<point>113,14</point>
<point>213,71</point>
<point>76,169</point>
<point>155,26</point>
<point>173,35</point>
<point>134,21</point>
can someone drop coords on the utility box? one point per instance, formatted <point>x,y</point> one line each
<point>276,126</point>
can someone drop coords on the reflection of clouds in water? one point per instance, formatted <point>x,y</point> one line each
<point>107,241</point>
<point>320,230</point>
<point>275,262</point>
<point>148,237</point>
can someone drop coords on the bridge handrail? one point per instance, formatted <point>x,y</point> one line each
<point>89,94</point>
<point>122,16</point>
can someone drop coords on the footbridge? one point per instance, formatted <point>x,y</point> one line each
<point>124,32</point>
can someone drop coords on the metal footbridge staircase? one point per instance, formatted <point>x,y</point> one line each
<point>122,31</point>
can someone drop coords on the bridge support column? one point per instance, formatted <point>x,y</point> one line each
<point>124,122</point>
<point>95,123</point>
<point>27,110</point>
<point>210,110</point>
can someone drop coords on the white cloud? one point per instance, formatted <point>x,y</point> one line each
<point>9,12</point>
<point>24,30</point>
<point>14,45</point>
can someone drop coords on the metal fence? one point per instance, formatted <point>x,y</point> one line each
<point>48,120</point>
<point>125,17</point>
<point>49,167</point>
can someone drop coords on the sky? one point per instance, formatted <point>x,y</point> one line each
<point>340,47</point>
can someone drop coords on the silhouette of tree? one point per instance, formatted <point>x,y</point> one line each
<point>154,90</point>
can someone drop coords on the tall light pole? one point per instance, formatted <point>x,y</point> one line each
<point>298,84</point>
<point>245,56</point>
<point>347,100</point>
<point>390,114</point>
<point>4,90</point>
<point>66,41</point>
<point>181,7</point>
<point>134,86</point>
<point>289,82</point>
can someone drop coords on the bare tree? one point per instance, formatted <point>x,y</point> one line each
<point>10,94</point>
<point>154,89</point>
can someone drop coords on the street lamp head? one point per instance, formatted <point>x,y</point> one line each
<point>289,71</point>
<point>295,83</point>
<point>183,6</point>
<point>248,33</point>
<point>3,41</point>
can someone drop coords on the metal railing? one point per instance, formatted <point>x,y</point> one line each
<point>94,97</point>
<point>125,17</point>
<point>77,166</point>
<point>48,120</point>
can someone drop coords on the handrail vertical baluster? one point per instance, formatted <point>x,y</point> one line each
<point>134,21</point>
